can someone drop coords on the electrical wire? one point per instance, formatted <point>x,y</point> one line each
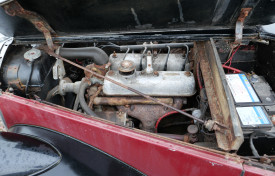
<point>232,69</point>
<point>166,61</point>
<point>231,57</point>
<point>167,114</point>
<point>230,61</point>
<point>126,53</point>
<point>198,75</point>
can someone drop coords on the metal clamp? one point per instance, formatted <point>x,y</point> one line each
<point>58,68</point>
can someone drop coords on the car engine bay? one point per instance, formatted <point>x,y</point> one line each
<point>215,93</point>
<point>170,73</point>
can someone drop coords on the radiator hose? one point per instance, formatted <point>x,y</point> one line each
<point>95,54</point>
<point>84,105</point>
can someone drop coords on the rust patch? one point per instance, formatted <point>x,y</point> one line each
<point>17,83</point>
<point>149,114</point>
<point>91,103</point>
<point>15,9</point>
<point>216,99</point>
<point>244,13</point>
<point>122,101</point>
<point>100,69</point>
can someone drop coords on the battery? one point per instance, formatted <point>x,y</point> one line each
<point>251,117</point>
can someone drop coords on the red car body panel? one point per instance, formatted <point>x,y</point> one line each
<point>150,154</point>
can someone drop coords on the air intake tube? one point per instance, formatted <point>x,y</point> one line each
<point>96,55</point>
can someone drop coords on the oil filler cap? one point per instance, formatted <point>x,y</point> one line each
<point>32,54</point>
<point>127,67</point>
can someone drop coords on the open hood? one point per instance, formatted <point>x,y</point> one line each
<point>89,16</point>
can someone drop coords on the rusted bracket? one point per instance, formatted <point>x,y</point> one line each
<point>15,9</point>
<point>220,101</point>
<point>240,24</point>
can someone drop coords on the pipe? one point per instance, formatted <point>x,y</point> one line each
<point>81,97</point>
<point>52,93</point>
<point>121,101</point>
<point>97,55</point>
<point>153,46</point>
<point>76,102</point>
<point>253,149</point>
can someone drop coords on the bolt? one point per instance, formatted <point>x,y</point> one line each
<point>187,73</point>
<point>156,73</point>
<point>132,108</point>
<point>155,53</point>
<point>114,55</point>
<point>111,73</point>
<point>11,90</point>
<point>268,99</point>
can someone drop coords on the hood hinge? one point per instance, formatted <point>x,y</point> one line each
<point>13,8</point>
<point>240,24</point>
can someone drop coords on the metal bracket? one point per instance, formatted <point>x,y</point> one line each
<point>58,68</point>
<point>240,24</point>
<point>229,137</point>
<point>15,9</point>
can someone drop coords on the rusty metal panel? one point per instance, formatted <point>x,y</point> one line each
<point>219,99</point>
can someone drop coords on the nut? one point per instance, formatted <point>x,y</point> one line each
<point>111,73</point>
<point>114,55</point>
<point>187,73</point>
<point>156,73</point>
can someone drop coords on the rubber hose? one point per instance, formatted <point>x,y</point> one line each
<point>52,93</point>
<point>81,97</point>
<point>254,150</point>
<point>97,55</point>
